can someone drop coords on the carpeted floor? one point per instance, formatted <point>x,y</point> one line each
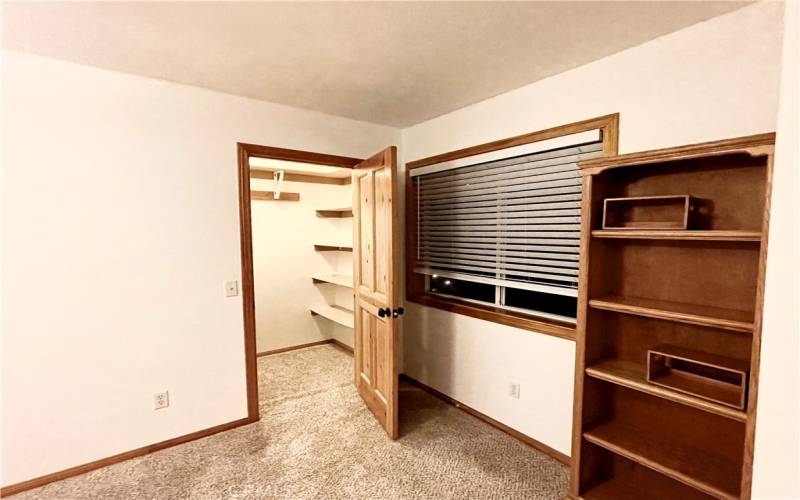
<point>316,439</point>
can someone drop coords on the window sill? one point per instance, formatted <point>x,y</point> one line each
<point>496,315</point>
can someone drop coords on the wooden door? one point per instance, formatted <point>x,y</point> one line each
<point>375,280</point>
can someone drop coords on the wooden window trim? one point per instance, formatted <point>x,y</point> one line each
<point>415,283</point>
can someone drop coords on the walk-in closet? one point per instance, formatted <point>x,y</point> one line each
<point>302,230</point>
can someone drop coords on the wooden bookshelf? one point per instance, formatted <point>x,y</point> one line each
<point>684,302</point>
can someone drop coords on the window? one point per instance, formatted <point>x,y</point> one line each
<point>499,230</point>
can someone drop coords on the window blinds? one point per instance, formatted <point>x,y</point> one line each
<point>512,222</point>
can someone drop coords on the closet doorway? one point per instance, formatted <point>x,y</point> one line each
<point>319,264</point>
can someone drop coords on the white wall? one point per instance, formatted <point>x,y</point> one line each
<point>709,81</point>
<point>120,226</point>
<point>777,458</point>
<point>284,259</point>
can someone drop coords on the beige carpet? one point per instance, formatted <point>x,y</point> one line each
<point>317,440</point>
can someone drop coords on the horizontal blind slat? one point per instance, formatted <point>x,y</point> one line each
<point>516,170</point>
<point>501,181</point>
<point>530,196</point>
<point>555,274</point>
<point>502,190</point>
<point>482,168</point>
<point>514,220</point>
<point>499,247</point>
<point>508,206</point>
<point>475,254</point>
<point>500,263</point>
<point>501,222</point>
<point>524,285</point>
<point>505,210</point>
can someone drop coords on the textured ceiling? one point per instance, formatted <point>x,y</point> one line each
<point>394,63</point>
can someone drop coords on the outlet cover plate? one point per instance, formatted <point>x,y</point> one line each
<point>160,400</point>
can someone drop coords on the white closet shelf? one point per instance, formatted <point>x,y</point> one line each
<point>337,314</point>
<point>336,279</point>
<point>326,247</point>
<point>340,212</point>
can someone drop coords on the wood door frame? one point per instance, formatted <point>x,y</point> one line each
<point>244,152</point>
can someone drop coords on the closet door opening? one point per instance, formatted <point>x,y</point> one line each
<point>297,222</point>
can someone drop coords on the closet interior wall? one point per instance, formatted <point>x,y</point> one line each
<point>285,257</point>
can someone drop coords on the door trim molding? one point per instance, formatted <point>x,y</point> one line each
<point>244,152</point>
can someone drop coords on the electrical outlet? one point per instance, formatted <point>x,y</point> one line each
<point>513,390</point>
<point>160,400</point>
<point>231,288</point>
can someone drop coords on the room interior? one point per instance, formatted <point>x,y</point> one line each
<point>639,342</point>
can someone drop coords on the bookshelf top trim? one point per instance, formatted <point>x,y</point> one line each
<point>753,145</point>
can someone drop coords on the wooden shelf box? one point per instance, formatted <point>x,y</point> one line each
<point>708,376</point>
<point>648,212</point>
<point>669,321</point>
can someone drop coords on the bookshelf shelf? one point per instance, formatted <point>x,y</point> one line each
<point>687,235</point>
<point>690,465</point>
<point>729,319</point>
<point>634,376</point>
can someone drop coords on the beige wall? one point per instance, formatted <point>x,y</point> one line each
<point>713,80</point>
<point>284,259</point>
<point>120,227</point>
<point>777,457</point>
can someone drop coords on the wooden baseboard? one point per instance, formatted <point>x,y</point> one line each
<point>335,342</point>
<point>342,345</point>
<point>103,462</point>
<point>561,457</point>
<point>293,348</point>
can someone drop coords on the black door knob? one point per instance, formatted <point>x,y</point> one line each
<point>383,313</point>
